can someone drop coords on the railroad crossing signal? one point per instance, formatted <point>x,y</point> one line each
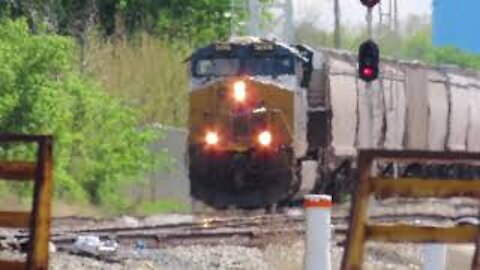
<point>368,60</point>
<point>370,3</point>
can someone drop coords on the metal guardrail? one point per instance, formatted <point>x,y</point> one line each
<point>38,220</point>
<point>360,230</point>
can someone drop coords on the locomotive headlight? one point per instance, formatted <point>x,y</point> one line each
<point>265,138</point>
<point>240,91</point>
<point>211,138</point>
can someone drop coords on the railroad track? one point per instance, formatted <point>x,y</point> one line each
<point>245,231</point>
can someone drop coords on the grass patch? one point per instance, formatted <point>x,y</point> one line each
<point>146,72</point>
<point>162,206</point>
<point>64,208</point>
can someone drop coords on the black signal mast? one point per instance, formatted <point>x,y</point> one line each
<point>369,53</point>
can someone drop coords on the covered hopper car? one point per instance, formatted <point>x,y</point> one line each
<point>270,122</point>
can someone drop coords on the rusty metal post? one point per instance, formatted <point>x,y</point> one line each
<point>37,258</point>
<point>360,230</point>
<point>476,256</point>
<point>353,255</point>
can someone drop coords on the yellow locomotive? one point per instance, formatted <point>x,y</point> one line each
<point>243,121</point>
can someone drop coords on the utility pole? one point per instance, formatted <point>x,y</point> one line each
<point>395,17</point>
<point>337,34</point>
<point>232,14</point>
<point>368,69</point>
<point>369,87</point>
<point>289,28</point>
<point>283,22</point>
<point>388,18</point>
<point>254,23</point>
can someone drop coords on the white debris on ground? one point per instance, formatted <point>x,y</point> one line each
<point>93,246</point>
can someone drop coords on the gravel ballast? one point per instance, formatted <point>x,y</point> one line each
<point>278,256</point>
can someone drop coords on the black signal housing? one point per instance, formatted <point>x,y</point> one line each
<point>370,3</point>
<point>368,61</point>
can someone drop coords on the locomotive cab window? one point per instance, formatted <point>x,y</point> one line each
<point>270,65</point>
<point>217,67</point>
<point>285,65</point>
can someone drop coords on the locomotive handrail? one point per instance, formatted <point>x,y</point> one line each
<point>360,230</point>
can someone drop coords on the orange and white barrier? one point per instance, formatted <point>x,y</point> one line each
<point>434,257</point>
<point>318,232</point>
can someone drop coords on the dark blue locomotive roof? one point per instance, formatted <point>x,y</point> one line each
<point>244,48</point>
<point>252,56</point>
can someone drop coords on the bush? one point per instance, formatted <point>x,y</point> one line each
<point>98,143</point>
<point>162,206</point>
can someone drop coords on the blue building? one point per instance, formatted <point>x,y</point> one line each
<point>457,23</point>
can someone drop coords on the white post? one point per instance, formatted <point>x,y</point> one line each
<point>317,243</point>
<point>434,256</point>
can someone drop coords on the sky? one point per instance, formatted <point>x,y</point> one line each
<point>320,12</point>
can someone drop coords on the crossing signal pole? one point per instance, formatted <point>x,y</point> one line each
<point>254,23</point>
<point>368,67</point>
<point>337,34</point>
<point>283,18</point>
<point>368,53</point>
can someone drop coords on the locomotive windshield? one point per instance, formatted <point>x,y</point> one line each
<point>255,65</point>
<point>242,60</point>
<point>218,67</point>
<point>269,65</point>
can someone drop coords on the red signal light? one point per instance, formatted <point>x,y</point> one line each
<point>367,71</point>
<point>370,3</point>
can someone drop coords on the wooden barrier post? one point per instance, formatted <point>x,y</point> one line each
<point>359,228</point>
<point>38,220</point>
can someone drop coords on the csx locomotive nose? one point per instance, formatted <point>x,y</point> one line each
<point>241,124</point>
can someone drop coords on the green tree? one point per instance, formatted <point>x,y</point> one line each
<point>193,21</point>
<point>98,143</point>
<point>419,46</point>
<point>415,43</point>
